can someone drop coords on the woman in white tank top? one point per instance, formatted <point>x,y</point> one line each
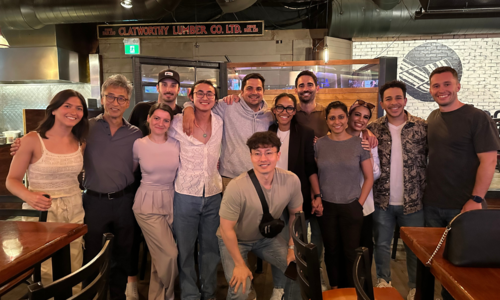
<point>52,157</point>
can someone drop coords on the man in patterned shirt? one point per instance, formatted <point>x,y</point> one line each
<point>399,190</point>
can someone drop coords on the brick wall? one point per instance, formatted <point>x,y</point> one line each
<point>476,57</point>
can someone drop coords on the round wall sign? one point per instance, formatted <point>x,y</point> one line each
<point>418,64</point>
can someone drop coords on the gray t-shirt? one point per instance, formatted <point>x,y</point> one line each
<point>339,166</point>
<point>241,202</point>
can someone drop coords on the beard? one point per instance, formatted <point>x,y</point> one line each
<point>301,98</point>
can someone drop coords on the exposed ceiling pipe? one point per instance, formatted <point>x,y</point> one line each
<point>34,14</point>
<point>387,4</point>
<point>363,18</point>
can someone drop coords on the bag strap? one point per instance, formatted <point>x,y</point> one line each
<point>448,228</point>
<point>258,188</point>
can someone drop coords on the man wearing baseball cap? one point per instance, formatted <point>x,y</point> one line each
<point>168,87</point>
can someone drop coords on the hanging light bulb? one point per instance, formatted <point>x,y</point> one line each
<point>3,41</point>
<point>126,3</point>
<point>326,54</point>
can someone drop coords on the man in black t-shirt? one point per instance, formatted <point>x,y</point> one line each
<point>168,88</point>
<point>463,143</point>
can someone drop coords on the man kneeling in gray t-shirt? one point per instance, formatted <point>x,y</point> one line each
<point>241,212</point>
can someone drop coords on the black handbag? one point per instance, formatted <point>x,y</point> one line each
<point>473,239</point>
<point>269,227</point>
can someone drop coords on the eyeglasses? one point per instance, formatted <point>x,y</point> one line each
<point>365,104</point>
<point>110,99</point>
<point>289,109</point>
<point>266,154</point>
<point>209,95</point>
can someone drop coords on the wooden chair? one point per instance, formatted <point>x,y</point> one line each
<point>6,214</point>
<point>97,289</point>
<point>306,257</point>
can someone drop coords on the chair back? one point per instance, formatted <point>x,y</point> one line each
<point>97,289</point>
<point>362,275</point>
<point>307,260</point>
<point>5,213</point>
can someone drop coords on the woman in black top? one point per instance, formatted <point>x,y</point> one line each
<point>297,156</point>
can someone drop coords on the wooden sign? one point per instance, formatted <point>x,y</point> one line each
<point>168,30</point>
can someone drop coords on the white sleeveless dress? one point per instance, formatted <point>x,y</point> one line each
<point>57,175</point>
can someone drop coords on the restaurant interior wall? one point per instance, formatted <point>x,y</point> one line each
<point>16,97</point>
<point>31,82</point>
<point>339,80</point>
<point>475,57</point>
<point>274,45</point>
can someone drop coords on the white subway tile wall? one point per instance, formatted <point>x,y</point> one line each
<point>16,97</point>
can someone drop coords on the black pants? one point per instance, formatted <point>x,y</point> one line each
<point>341,227</point>
<point>115,216</point>
<point>367,235</point>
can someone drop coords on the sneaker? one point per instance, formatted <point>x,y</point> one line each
<point>381,283</point>
<point>131,291</point>
<point>411,294</point>
<point>277,294</point>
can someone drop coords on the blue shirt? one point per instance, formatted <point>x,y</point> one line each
<point>108,159</point>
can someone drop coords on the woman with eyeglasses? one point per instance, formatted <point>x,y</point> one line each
<point>197,197</point>
<point>158,156</point>
<point>297,156</point>
<point>342,161</point>
<point>52,158</point>
<point>360,114</point>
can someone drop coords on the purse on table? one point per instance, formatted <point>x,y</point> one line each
<point>472,239</point>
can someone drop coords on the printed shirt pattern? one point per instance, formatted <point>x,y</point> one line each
<point>414,145</point>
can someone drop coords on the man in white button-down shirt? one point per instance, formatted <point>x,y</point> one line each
<point>197,198</point>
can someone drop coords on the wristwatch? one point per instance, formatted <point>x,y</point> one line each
<point>318,195</point>
<point>291,247</point>
<point>477,199</point>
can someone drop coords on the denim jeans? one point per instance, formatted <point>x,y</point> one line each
<point>440,217</point>
<point>279,279</point>
<point>273,251</point>
<point>384,222</point>
<point>197,218</point>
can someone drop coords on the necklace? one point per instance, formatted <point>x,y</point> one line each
<point>204,132</point>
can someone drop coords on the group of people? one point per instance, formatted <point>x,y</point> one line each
<point>353,179</point>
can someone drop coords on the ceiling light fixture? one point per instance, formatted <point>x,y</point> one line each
<point>326,54</point>
<point>3,41</point>
<point>126,3</point>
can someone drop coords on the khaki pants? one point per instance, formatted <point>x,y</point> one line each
<point>161,244</point>
<point>64,210</point>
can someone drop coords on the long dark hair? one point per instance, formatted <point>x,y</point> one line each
<point>80,130</point>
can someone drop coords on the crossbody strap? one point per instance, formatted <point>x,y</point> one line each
<point>258,188</point>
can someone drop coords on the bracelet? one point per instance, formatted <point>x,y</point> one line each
<point>291,247</point>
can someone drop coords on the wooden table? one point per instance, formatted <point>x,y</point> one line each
<point>24,244</point>
<point>462,283</point>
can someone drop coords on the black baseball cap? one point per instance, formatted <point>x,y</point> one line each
<point>169,74</point>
